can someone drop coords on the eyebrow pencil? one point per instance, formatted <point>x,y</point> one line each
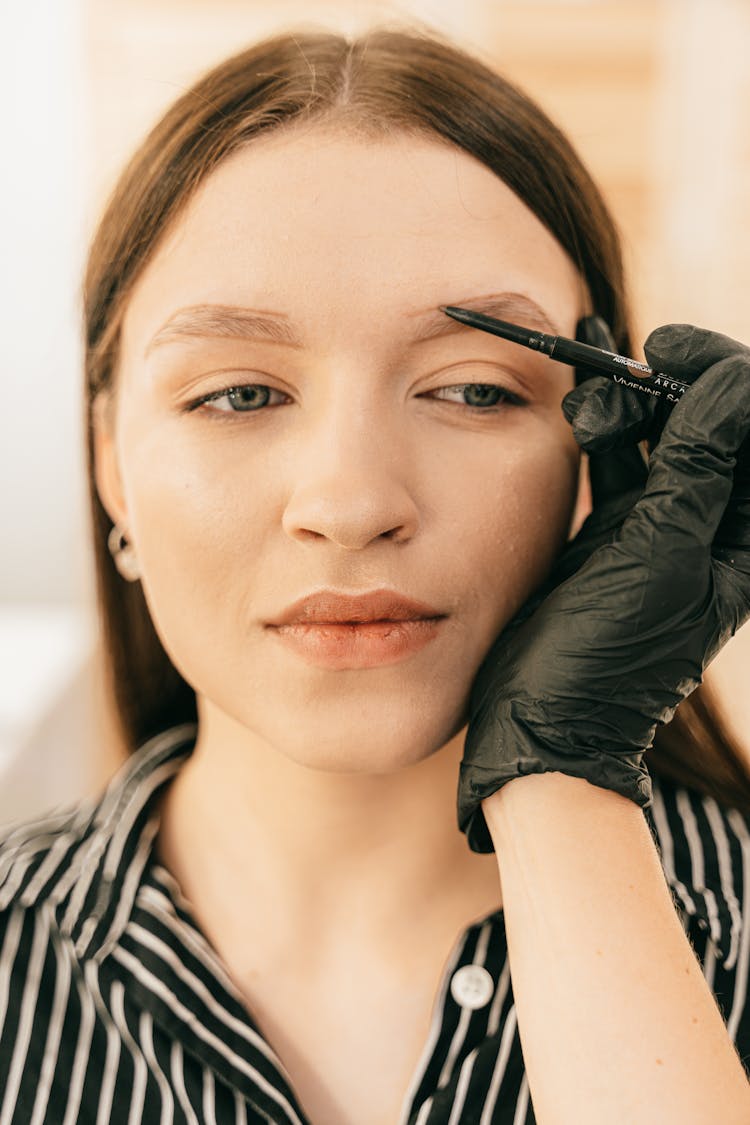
<point>629,372</point>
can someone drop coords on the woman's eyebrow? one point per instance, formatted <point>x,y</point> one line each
<point>233,322</point>
<point>514,307</point>
<point>229,321</point>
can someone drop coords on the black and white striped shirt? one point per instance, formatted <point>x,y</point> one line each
<point>115,1008</point>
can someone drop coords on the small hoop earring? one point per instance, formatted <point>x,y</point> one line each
<point>124,554</point>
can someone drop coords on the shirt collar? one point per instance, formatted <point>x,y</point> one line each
<point>94,854</point>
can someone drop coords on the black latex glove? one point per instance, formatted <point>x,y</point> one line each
<point>608,422</point>
<point>580,680</point>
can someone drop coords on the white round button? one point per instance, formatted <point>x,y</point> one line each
<point>472,986</point>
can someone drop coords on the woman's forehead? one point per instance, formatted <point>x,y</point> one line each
<point>356,225</point>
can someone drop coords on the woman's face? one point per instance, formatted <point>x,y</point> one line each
<point>362,456</point>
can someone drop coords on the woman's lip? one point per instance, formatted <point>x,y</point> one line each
<point>365,645</point>
<point>339,607</point>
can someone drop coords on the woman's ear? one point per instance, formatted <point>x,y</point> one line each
<point>106,468</point>
<point>583,503</point>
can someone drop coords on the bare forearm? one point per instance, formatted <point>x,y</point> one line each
<point>616,1019</point>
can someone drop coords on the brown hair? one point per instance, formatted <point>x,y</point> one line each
<point>386,81</point>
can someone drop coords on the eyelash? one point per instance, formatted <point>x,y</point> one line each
<point>508,398</point>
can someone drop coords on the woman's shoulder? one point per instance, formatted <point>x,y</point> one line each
<point>51,857</point>
<point>704,847</point>
<point>34,852</point>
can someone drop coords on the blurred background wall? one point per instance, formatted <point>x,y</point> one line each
<point>655,95</point>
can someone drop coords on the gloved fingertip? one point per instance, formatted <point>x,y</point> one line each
<point>603,417</point>
<point>591,426</point>
<point>670,342</point>
<point>685,351</point>
<point>570,407</point>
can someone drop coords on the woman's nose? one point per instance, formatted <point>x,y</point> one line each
<point>351,483</point>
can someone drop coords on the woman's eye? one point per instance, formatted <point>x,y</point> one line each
<point>481,396</point>
<point>248,398</point>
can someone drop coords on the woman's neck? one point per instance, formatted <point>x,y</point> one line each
<point>269,849</point>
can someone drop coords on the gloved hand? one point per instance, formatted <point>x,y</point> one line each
<point>582,677</point>
<point>608,422</point>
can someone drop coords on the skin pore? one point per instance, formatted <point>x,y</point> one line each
<point>323,803</point>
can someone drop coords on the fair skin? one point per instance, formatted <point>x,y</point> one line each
<point>356,475</point>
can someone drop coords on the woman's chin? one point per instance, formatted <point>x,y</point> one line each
<point>366,752</point>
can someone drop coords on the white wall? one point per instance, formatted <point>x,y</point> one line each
<point>41,214</point>
<point>45,615</point>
